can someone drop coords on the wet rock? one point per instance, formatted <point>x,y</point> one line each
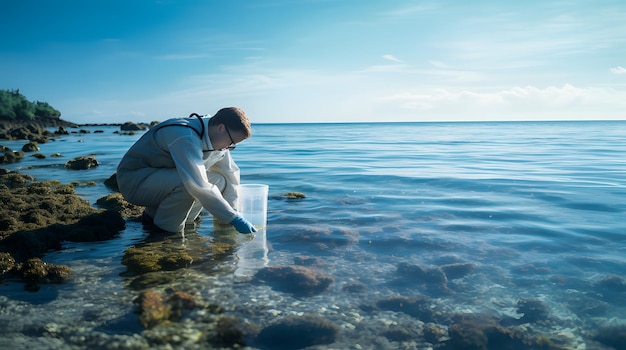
<point>99,226</point>
<point>181,302</point>
<point>39,156</point>
<point>7,262</point>
<point>155,257</point>
<point>130,126</point>
<point>35,271</point>
<point>83,162</point>
<point>26,131</point>
<point>154,308</point>
<point>7,155</point>
<point>614,336</point>
<point>37,205</point>
<point>30,147</point>
<point>483,331</point>
<point>111,182</point>
<point>434,333</point>
<point>116,202</point>
<point>354,287</point>
<point>534,310</point>
<point>611,284</point>
<point>150,280</point>
<point>297,332</point>
<point>12,180</point>
<point>37,216</point>
<point>298,280</point>
<point>294,195</point>
<point>61,131</point>
<point>430,278</point>
<point>419,307</point>
<point>93,227</point>
<point>233,332</point>
<point>56,155</point>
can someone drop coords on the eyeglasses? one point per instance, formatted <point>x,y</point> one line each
<point>232,142</point>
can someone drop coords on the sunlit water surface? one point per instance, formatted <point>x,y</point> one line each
<point>537,207</point>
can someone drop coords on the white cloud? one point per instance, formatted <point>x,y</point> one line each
<point>392,58</point>
<point>518,103</point>
<point>618,70</point>
<point>438,64</point>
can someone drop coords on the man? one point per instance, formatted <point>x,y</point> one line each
<point>184,164</point>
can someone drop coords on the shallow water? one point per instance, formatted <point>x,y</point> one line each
<point>537,207</point>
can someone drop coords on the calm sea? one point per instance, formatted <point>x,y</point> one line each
<point>536,208</point>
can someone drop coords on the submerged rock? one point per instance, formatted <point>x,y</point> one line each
<point>320,237</point>
<point>155,308</point>
<point>458,270</point>
<point>483,331</point>
<point>234,332</point>
<point>297,332</point>
<point>298,280</point>
<point>152,309</point>
<point>430,278</point>
<point>534,310</point>
<point>614,336</point>
<point>155,257</point>
<point>418,307</point>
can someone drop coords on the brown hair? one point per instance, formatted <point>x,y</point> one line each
<point>234,119</point>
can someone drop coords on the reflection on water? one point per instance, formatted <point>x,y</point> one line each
<point>252,255</point>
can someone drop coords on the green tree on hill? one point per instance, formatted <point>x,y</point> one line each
<point>15,107</point>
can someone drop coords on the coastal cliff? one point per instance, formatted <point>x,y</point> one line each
<point>22,119</point>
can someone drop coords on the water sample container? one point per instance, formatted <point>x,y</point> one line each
<point>252,203</point>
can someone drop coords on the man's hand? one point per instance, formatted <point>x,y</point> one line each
<point>242,225</point>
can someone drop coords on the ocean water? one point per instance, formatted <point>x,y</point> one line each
<point>536,209</point>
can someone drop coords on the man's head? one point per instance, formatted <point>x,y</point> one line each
<point>228,127</point>
<point>234,119</point>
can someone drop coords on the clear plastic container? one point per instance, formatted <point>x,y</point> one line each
<point>252,203</point>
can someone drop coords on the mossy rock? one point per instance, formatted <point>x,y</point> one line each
<point>155,257</point>
<point>116,202</point>
<point>10,156</point>
<point>294,195</point>
<point>84,162</point>
<point>30,147</point>
<point>111,182</point>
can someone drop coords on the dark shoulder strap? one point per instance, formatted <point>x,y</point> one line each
<point>199,133</point>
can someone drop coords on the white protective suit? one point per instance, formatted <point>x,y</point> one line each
<point>173,171</point>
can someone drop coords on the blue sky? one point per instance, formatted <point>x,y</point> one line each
<point>318,60</point>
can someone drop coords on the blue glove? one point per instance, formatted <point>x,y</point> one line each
<point>242,225</point>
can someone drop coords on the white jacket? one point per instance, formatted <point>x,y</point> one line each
<point>183,144</point>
